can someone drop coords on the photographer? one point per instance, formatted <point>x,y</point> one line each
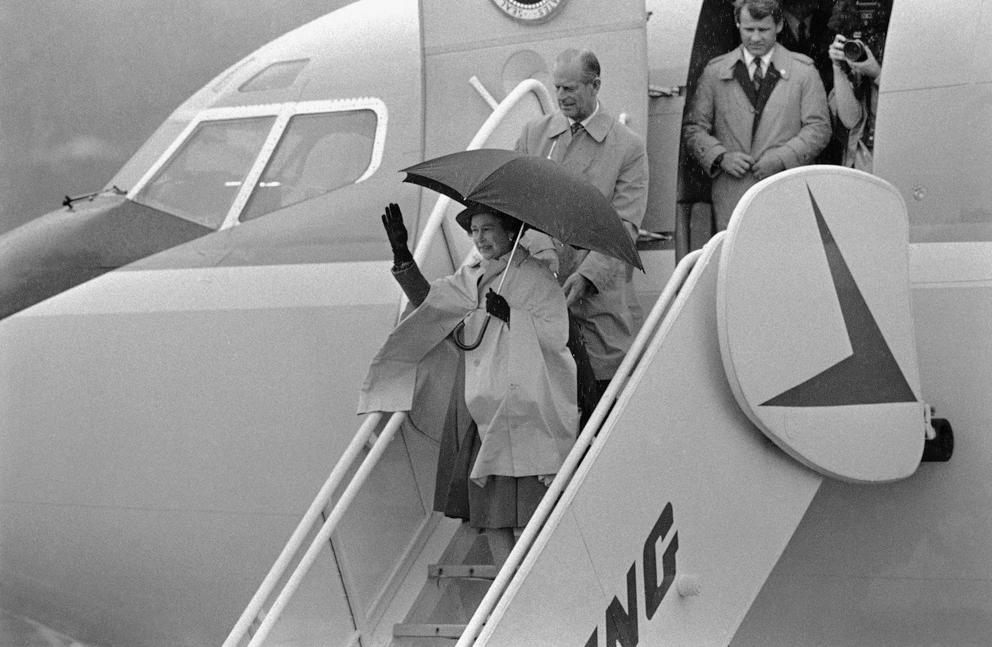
<point>854,98</point>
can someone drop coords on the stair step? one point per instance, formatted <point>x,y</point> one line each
<point>476,571</point>
<point>427,630</point>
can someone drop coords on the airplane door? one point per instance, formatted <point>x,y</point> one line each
<point>670,34</point>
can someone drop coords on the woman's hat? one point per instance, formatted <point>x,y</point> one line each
<point>464,217</point>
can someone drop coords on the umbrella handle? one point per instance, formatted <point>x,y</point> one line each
<point>458,338</point>
<point>457,335</point>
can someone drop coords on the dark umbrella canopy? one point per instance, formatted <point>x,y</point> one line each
<point>535,191</point>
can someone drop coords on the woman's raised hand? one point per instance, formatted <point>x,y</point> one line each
<point>392,221</point>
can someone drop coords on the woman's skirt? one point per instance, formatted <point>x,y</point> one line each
<point>504,501</point>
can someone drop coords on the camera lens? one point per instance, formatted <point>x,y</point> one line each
<point>855,51</point>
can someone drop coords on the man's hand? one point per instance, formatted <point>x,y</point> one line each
<point>392,221</point>
<point>577,287</point>
<point>736,163</point>
<point>766,166</point>
<point>497,306</point>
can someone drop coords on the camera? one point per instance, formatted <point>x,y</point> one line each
<point>854,50</point>
<point>866,21</point>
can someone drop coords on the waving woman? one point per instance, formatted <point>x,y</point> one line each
<point>505,410</point>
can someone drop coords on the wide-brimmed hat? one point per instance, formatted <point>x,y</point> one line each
<point>464,217</point>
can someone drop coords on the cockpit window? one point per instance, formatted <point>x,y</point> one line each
<point>278,75</point>
<point>318,153</point>
<point>201,181</point>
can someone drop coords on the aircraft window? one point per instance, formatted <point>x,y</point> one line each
<point>202,179</point>
<point>276,76</point>
<point>317,154</point>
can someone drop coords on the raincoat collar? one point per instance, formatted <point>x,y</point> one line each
<point>597,127</point>
<point>497,265</point>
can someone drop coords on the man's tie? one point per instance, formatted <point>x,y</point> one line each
<point>758,76</point>
<point>576,127</point>
<point>802,37</point>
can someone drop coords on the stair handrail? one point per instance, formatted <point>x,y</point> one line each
<point>364,436</point>
<point>542,514</point>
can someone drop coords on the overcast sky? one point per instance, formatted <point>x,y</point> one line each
<point>84,82</point>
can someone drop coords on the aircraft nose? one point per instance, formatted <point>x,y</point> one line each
<point>64,248</point>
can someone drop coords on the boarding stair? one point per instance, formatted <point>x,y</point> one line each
<point>661,527</point>
<point>579,565</point>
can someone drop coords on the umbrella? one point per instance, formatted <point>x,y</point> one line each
<point>535,191</point>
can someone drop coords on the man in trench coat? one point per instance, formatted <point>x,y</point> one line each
<point>742,129</point>
<point>598,288</point>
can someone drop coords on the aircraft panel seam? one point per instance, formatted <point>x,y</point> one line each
<point>536,38</point>
<point>289,514</point>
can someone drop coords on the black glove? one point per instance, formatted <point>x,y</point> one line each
<point>497,306</point>
<point>392,220</point>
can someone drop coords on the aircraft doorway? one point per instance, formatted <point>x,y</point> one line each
<point>717,33</point>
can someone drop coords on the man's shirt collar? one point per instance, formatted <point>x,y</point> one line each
<point>749,60</point>
<point>585,122</point>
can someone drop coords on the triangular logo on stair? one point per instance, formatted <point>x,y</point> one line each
<point>815,322</point>
<point>870,374</point>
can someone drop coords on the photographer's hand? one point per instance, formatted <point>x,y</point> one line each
<point>836,51</point>
<point>869,67</point>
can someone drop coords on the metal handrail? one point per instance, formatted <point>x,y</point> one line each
<point>363,436</point>
<point>585,439</point>
<point>324,534</point>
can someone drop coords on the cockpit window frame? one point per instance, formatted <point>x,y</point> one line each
<point>283,113</point>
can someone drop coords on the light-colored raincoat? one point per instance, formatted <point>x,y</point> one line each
<point>519,383</point>
<point>793,128</point>
<point>614,160</point>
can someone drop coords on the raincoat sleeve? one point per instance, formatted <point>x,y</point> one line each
<point>392,378</point>
<point>630,200</point>
<point>815,131</point>
<point>697,127</point>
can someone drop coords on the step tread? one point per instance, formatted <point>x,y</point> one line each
<point>477,571</point>
<point>427,629</point>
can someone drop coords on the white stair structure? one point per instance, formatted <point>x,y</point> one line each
<point>661,528</point>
